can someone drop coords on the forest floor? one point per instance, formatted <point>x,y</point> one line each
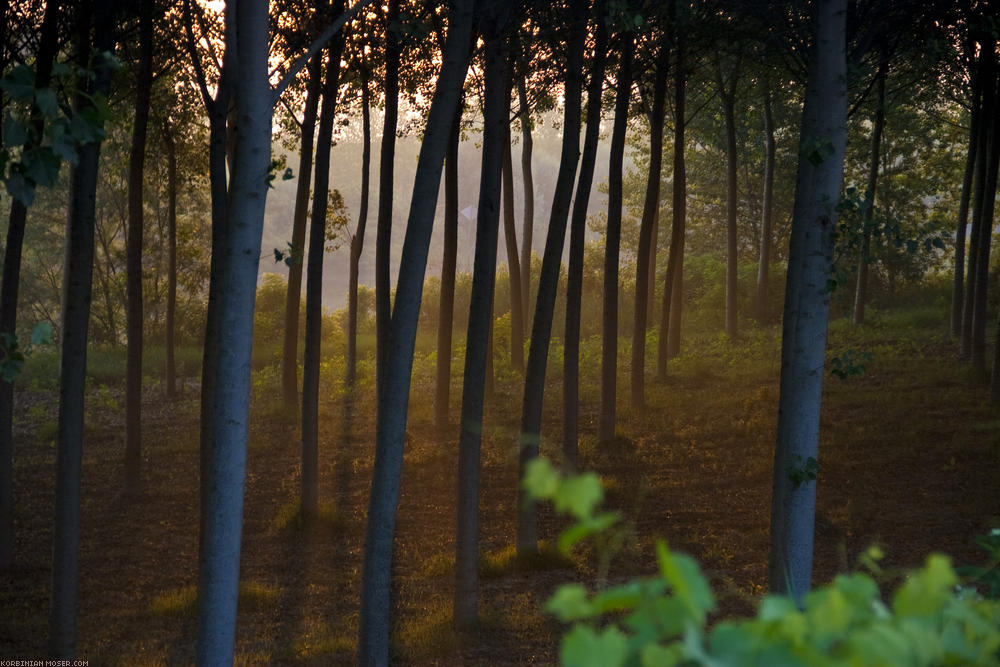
<point>909,452</point>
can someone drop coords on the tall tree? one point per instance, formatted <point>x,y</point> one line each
<point>646,253</point>
<point>289,356</point>
<point>767,206</point>
<point>975,127</point>
<point>170,324</point>
<point>358,240</point>
<point>11,283</point>
<point>496,150</point>
<point>513,263</point>
<point>133,272</point>
<point>868,210</point>
<point>822,142</point>
<point>528,181</point>
<point>727,94</point>
<point>578,228</point>
<point>94,36</point>
<point>612,248</point>
<point>373,644</point>
<point>442,391</point>
<point>541,327</point>
<point>314,279</point>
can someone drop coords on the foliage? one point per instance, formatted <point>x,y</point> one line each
<point>14,357</point>
<point>662,620</point>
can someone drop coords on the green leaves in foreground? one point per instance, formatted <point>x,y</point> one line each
<point>662,620</point>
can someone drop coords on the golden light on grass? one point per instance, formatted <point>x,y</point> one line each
<point>184,601</point>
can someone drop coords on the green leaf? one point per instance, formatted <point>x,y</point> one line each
<point>654,655</point>
<point>60,70</point>
<point>19,187</point>
<point>288,175</point>
<point>14,133</point>
<point>926,591</point>
<point>19,83</point>
<point>570,603</point>
<point>541,480</point>
<point>41,334</point>
<point>689,584</point>
<point>41,166</point>
<point>45,100</point>
<point>583,647</point>
<point>579,495</point>
<point>584,529</point>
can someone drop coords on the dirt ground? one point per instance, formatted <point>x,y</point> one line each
<point>909,455</point>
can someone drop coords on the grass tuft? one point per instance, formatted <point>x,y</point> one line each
<point>254,595</point>
<point>290,517</point>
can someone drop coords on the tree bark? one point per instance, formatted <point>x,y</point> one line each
<point>513,265</point>
<point>609,338</point>
<point>646,252</point>
<point>861,293</point>
<point>314,281</point>
<point>767,210</point>
<point>541,326</point>
<point>527,177</point>
<point>446,310</point>
<point>171,315</point>
<point>358,242</point>
<point>373,645</point>
<point>578,229</point>
<point>133,270</point>
<point>48,45</point>
<point>74,323</point>
<point>496,151</point>
<point>807,302</point>
<point>727,93</point>
<point>383,234</point>
<point>290,356</point>
<point>975,127</point>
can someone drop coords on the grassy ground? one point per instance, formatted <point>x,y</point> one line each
<point>908,457</point>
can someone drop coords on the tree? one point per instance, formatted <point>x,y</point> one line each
<point>170,341</point>
<point>817,191</point>
<point>767,206</point>
<point>609,342</point>
<point>727,95</point>
<point>373,643</point>
<point>446,311</point>
<point>358,240</point>
<point>578,228</point>
<point>496,146</point>
<point>136,171</point>
<point>513,263</point>
<point>94,34</point>
<point>48,45</point>
<point>527,176</point>
<point>541,327</point>
<point>975,127</point>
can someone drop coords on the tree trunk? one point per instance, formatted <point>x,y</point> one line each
<point>578,229</point>
<point>133,272</point>
<point>373,645</point>
<point>314,281</point>
<point>609,339</point>
<point>74,323</point>
<point>219,561</point>
<point>670,319</point>
<point>446,309</point>
<point>975,127</point>
<point>383,235</point>
<point>513,265</point>
<point>358,242</point>
<point>541,326</point>
<point>290,356</point>
<point>767,210</point>
<point>807,302</point>
<point>496,151</point>
<point>646,253</point>
<point>170,343</point>
<point>727,93</point>
<point>861,293</point>
<point>48,45</point>
<point>528,224</point>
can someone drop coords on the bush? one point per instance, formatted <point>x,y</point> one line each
<point>662,620</point>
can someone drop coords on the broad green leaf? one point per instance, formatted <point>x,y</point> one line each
<point>569,603</point>
<point>689,584</point>
<point>828,613</point>
<point>19,83</point>
<point>618,598</point>
<point>654,655</point>
<point>925,592</point>
<point>19,187</point>
<point>14,132</point>
<point>585,528</point>
<point>541,480</point>
<point>584,647</point>
<point>41,334</point>
<point>41,166</point>
<point>579,495</point>
<point>45,100</point>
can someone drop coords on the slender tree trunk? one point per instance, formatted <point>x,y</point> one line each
<point>170,343</point>
<point>979,313</point>
<point>373,645</point>
<point>383,239</point>
<point>290,356</point>
<point>646,252</point>
<point>861,293</point>
<point>670,318</point>
<point>609,342</point>
<point>219,562</point>
<point>314,281</point>
<point>767,210</point>
<point>541,326</point>
<point>527,177</point>
<point>496,152</point>
<point>358,242</point>
<point>48,45</point>
<point>446,310</point>
<point>807,302</point>
<point>74,323</point>
<point>578,229</point>
<point>727,93</point>
<point>133,273</point>
<point>513,265</point>
<point>975,127</point>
